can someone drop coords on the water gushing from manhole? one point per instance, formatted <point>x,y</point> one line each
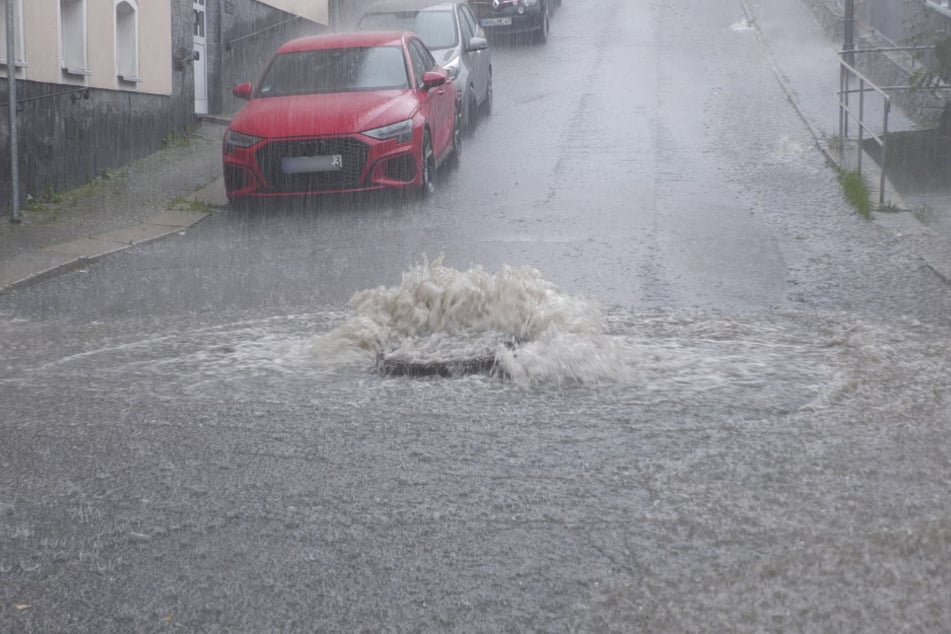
<point>440,321</point>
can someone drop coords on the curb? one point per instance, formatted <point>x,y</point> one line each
<point>817,136</point>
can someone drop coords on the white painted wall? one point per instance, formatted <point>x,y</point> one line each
<point>314,10</point>
<point>41,41</point>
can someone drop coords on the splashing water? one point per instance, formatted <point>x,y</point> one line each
<point>744,24</point>
<point>440,314</point>
<point>437,310</point>
<point>521,328</point>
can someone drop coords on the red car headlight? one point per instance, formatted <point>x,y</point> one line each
<point>237,140</point>
<point>402,132</point>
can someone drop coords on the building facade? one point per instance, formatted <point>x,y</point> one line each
<point>103,82</point>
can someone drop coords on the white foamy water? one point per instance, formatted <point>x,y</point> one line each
<point>437,310</point>
<point>441,313</point>
<point>540,337</point>
<point>742,25</point>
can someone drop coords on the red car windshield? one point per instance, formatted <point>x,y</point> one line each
<point>335,70</point>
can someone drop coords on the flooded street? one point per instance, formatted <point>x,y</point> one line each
<point>718,397</point>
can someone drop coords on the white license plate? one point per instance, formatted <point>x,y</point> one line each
<point>305,164</point>
<point>497,22</point>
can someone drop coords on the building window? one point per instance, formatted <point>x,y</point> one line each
<point>73,32</point>
<point>17,32</point>
<point>199,27</point>
<point>127,41</point>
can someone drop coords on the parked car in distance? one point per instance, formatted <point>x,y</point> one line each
<point>515,17</point>
<point>343,113</point>
<point>449,30</point>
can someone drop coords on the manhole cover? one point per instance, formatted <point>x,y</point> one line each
<point>445,357</point>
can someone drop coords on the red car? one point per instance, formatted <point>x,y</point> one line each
<point>343,113</point>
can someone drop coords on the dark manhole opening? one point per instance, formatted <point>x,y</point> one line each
<point>393,364</point>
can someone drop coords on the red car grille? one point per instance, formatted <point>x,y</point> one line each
<point>353,152</point>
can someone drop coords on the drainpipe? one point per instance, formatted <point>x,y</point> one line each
<point>12,110</point>
<point>333,17</point>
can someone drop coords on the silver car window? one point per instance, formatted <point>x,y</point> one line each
<point>437,29</point>
<point>470,26</point>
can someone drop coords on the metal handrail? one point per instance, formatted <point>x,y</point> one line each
<point>846,72</point>
<point>892,49</point>
<point>76,95</point>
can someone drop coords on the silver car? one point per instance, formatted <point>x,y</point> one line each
<point>452,34</point>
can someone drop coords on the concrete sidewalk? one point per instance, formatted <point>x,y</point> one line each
<point>159,195</point>
<point>805,62</point>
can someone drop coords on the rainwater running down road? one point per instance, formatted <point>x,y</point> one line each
<point>759,454</point>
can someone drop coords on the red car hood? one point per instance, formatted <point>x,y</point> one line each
<point>324,114</point>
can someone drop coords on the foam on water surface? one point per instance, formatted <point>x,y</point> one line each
<point>537,336</point>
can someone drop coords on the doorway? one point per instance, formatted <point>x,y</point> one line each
<point>200,65</point>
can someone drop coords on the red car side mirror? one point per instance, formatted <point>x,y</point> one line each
<point>242,91</point>
<point>433,78</point>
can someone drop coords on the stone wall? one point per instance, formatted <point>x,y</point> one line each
<point>829,15</point>
<point>248,34</point>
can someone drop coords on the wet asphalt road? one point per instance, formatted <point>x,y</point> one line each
<point>779,459</point>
